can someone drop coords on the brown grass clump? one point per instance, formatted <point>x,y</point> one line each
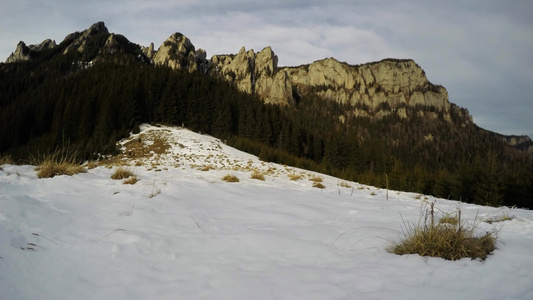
<point>58,163</point>
<point>91,164</point>
<point>316,179</point>
<point>319,185</point>
<point>6,160</point>
<point>449,219</point>
<point>230,178</point>
<point>206,168</point>
<point>295,176</point>
<point>257,175</point>
<point>346,185</point>
<point>439,239</point>
<point>502,218</point>
<point>131,180</point>
<point>122,173</point>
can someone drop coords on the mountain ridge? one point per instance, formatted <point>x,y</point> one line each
<point>375,89</point>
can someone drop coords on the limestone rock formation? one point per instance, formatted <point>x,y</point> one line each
<point>388,84</point>
<point>46,44</point>
<point>178,52</point>
<point>78,41</point>
<point>149,51</point>
<point>22,53</point>
<point>381,88</point>
<point>255,73</point>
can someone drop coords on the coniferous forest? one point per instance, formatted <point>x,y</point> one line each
<point>54,101</point>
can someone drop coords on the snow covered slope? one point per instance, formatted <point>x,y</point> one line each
<point>181,232</point>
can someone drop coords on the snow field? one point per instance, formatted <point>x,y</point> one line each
<point>90,237</point>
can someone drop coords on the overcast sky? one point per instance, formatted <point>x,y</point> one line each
<point>480,50</point>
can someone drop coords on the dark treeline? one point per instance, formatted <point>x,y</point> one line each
<point>56,101</point>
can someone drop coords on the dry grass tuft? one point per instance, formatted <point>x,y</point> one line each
<point>131,180</point>
<point>449,219</point>
<point>230,178</point>
<point>345,184</point>
<point>257,175</point>
<point>6,160</point>
<point>316,179</point>
<point>319,185</point>
<point>91,164</point>
<point>122,173</point>
<point>439,239</point>
<point>295,176</point>
<point>58,163</point>
<point>206,168</point>
<point>502,218</point>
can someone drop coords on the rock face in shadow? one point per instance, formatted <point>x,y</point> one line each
<point>23,52</point>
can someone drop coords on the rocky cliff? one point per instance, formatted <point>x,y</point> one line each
<point>178,52</point>
<point>23,52</point>
<point>377,89</point>
<point>256,73</point>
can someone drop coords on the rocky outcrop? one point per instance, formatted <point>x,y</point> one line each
<point>255,73</point>
<point>387,85</point>
<point>23,52</point>
<point>178,52</point>
<point>78,41</point>
<point>149,52</point>
<point>376,89</point>
<point>45,45</point>
<point>92,44</point>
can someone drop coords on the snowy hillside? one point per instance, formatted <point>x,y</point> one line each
<point>181,232</point>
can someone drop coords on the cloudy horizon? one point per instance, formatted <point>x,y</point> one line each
<point>479,50</point>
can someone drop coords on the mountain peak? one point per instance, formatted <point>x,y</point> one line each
<point>99,27</point>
